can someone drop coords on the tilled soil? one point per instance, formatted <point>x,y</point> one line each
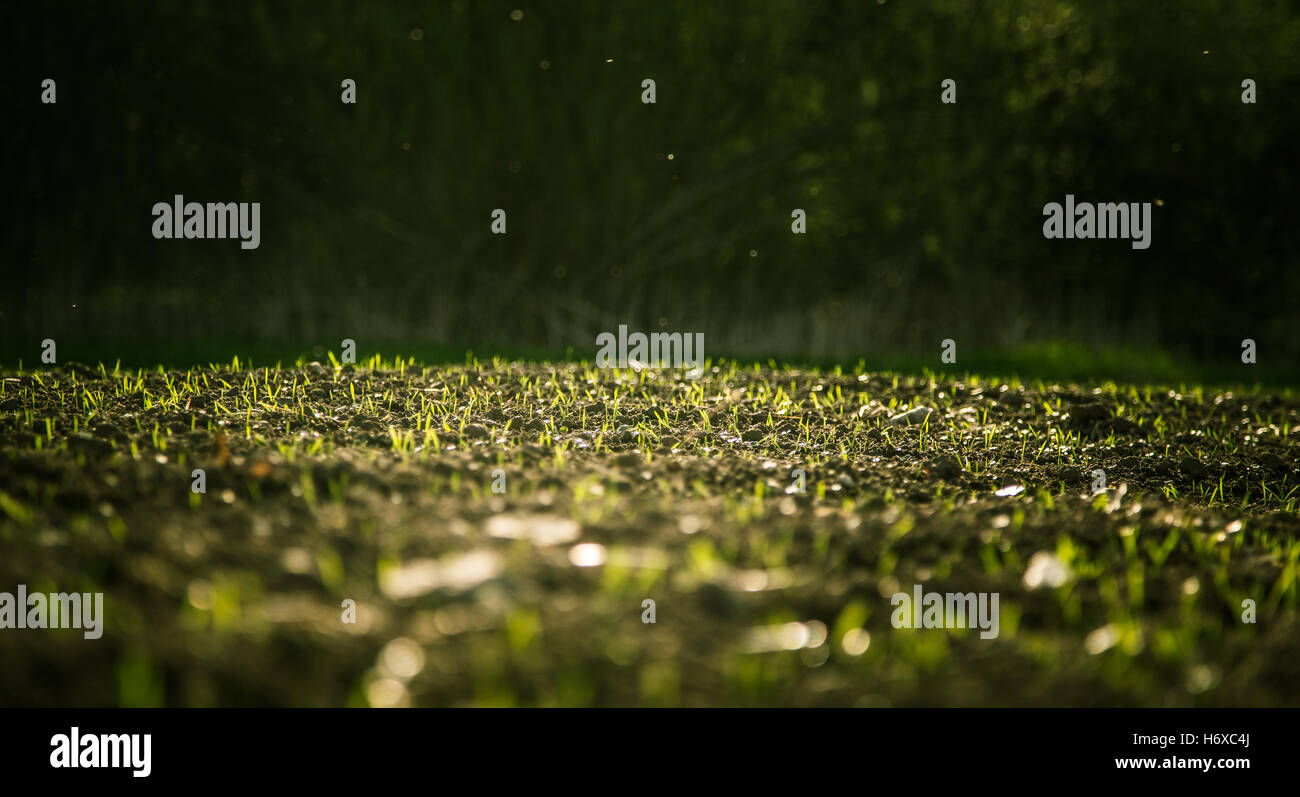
<point>500,528</point>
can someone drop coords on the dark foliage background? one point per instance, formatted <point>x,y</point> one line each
<point>924,220</point>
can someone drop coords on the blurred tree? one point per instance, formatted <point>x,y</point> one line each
<point>924,219</point>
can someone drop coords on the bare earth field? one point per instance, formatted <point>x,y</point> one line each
<point>500,526</point>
